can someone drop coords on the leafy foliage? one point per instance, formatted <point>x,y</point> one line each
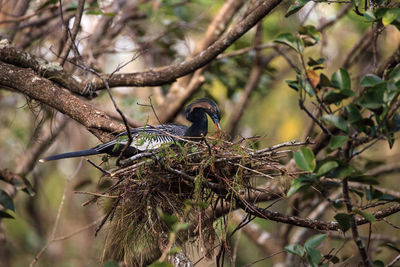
<point>309,251</point>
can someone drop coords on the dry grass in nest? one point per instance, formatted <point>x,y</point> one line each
<point>180,186</point>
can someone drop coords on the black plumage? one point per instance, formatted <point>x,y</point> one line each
<point>148,138</point>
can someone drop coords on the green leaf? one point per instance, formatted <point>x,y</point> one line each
<point>395,73</point>
<point>378,263</point>
<point>314,256</point>
<point>380,12</point>
<point>293,84</point>
<point>315,241</point>
<point>291,41</point>
<point>353,113</point>
<point>169,219</point>
<point>5,215</point>
<point>369,216</point>
<point>369,16</point>
<point>337,141</point>
<point>390,16</point>
<point>94,12</point>
<point>295,249</point>
<point>174,250</point>
<point>341,79</point>
<point>344,221</point>
<point>296,7</point>
<point>372,193</point>
<point>344,171</point>
<point>6,201</point>
<point>337,95</point>
<point>312,62</point>
<point>324,81</point>
<point>298,183</point>
<point>395,123</point>
<point>371,80</point>
<point>305,159</point>
<point>391,92</point>
<point>373,98</point>
<point>327,167</point>
<point>336,121</point>
<point>180,227</point>
<point>305,84</point>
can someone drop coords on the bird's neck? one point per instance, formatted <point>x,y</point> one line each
<point>199,126</point>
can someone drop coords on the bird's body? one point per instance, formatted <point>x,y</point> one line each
<point>148,138</point>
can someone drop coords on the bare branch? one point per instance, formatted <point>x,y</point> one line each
<point>251,85</point>
<point>384,169</point>
<point>353,223</point>
<point>46,137</point>
<point>74,32</point>
<point>313,224</point>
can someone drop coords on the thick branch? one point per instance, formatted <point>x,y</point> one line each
<point>51,70</point>
<point>390,62</point>
<point>171,73</point>
<point>10,177</point>
<point>44,91</point>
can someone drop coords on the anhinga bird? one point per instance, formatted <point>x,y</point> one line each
<point>152,137</point>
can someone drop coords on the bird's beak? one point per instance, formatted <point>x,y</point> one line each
<point>217,125</point>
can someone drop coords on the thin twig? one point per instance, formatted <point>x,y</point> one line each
<point>393,262</point>
<point>98,167</point>
<point>94,194</point>
<point>357,239</point>
<point>67,236</point>
<point>286,144</point>
<point>267,257</point>
<point>75,29</point>
<point>53,232</point>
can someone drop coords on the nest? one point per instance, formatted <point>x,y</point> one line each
<point>180,189</point>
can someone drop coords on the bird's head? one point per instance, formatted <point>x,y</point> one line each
<point>205,105</point>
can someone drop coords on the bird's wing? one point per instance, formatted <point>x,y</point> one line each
<point>163,129</point>
<point>145,138</point>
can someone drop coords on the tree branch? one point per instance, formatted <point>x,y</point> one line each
<point>46,135</point>
<point>50,70</point>
<point>251,85</point>
<point>312,224</point>
<point>169,74</point>
<point>74,32</point>
<point>44,91</point>
<point>356,236</point>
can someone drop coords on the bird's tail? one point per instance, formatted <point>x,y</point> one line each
<point>71,155</point>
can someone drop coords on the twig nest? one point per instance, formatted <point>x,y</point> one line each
<point>176,191</point>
